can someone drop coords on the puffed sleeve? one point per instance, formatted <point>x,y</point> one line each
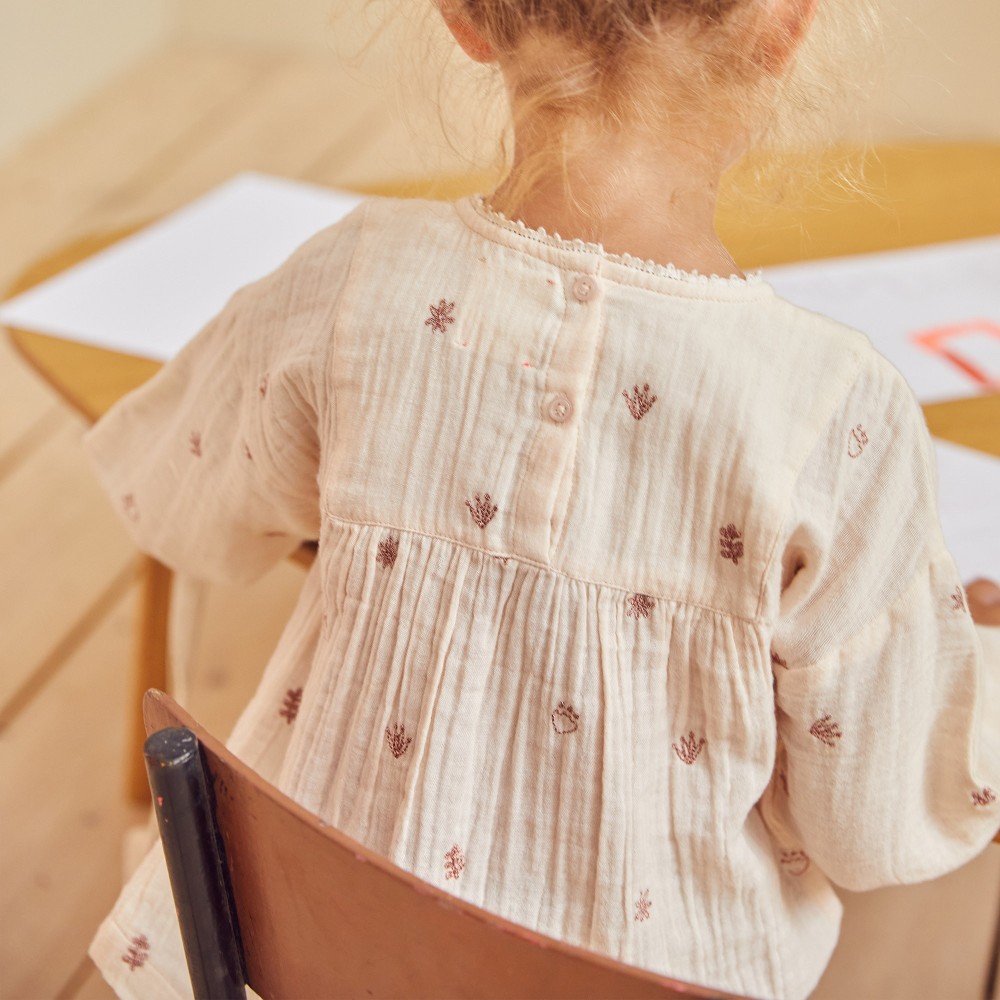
<point>213,464</point>
<point>887,695</point>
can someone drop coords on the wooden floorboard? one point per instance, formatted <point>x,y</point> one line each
<point>62,772</point>
<point>63,546</point>
<point>24,402</point>
<point>77,176</point>
<point>90,986</point>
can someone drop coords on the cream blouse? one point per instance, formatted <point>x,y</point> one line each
<point>632,619</point>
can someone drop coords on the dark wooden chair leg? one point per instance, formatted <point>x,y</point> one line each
<point>186,818</point>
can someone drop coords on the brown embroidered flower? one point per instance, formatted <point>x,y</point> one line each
<point>387,550</point>
<point>454,862</point>
<point>958,600</point>
<point>690,748</point>
<point>639,606</point>
<point>564,719</point>
<point>397,739</point>
<point>195,442</point>
<point>795,862</point>
<point>483,511</point>
<point>138,952</point>
<point>640,404</point>
<point>440,316</point>
<point>642,906</point>
<point>290,708</point>
<point>730,540</point>
<point>856,441</point>
<point>826,731</point>
<point>984,797</point>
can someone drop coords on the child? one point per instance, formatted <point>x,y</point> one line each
<point>632,619</point>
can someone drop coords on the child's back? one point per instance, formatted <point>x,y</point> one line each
<point>631,619</point>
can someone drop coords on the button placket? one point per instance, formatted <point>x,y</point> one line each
<point>543,497</point>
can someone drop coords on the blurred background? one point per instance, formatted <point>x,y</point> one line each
<point>115,112</point>
<point>943,76</point>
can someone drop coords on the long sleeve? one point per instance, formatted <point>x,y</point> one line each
<point>213,464</point>
<point>887,694</point>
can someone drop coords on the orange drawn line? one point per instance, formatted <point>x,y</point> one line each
<point>934,341</point>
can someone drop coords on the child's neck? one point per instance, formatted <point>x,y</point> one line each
<point>655,202</point>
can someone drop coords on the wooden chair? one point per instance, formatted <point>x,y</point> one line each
<point>316,914</point>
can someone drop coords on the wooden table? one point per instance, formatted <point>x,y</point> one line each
<point>915,195</point>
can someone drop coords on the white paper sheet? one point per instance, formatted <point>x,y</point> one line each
<point>969,502</point>
<point>151,292</point>
<point>934,311</point>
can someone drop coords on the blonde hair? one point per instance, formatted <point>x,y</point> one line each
<point>663,65</point>
<point>687,66</point>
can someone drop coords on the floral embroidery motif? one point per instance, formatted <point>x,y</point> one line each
<point>387,550</point>
<point>195,443</point>
<point>130,507</point>
<point>639,606</point>
<point>856,441</point>
<point>639,406</point>
<point>730,539</point>
<point>778,660</point>
<point>262,385</point>
<point>958,600</point>
<point>826,731</point>
<point>138,952</point>
<point>565,719</point>
<point>642,906</point>
<point>690,748</point>
<point>440,317</point>
<point>454,862</point>
<point>984,797</point>
<point>795,862</point>
<point>502,559</point>
<point>397,739</point>
<point>483,512</point>
<point>290,708</point>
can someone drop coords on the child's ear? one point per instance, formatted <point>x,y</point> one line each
<point>785,27</point>
<point>472,42</point>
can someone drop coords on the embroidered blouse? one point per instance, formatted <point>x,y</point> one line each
<point>631,619</point>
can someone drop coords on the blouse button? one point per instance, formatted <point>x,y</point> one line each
<point>584,288</point>
<point>560,408</point>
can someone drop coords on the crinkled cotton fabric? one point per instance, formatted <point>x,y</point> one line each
<point>631,619</point>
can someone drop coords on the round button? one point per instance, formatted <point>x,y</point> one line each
<point>584,288</point>
<point>560,408</point>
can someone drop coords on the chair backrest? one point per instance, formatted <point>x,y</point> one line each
<point>320,915</point>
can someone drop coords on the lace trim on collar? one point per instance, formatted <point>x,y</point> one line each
<point>637,263</point>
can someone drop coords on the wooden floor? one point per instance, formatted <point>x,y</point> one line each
<point>183,121</point>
